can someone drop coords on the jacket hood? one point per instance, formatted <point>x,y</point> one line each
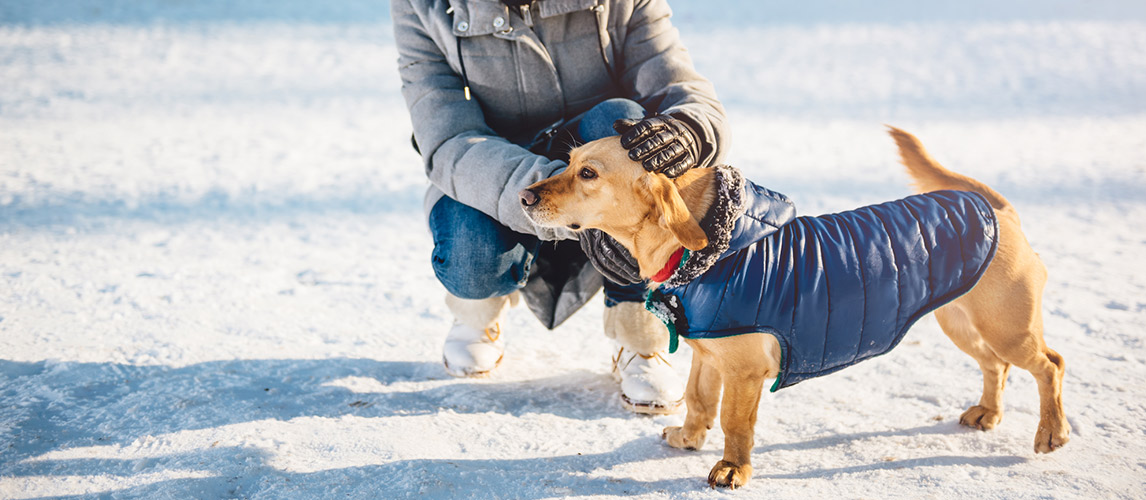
<point>480,17</point>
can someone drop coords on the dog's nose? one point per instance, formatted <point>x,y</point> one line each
<point>528,197</point>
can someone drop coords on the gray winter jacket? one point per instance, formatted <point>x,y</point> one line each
<point>528,69</point>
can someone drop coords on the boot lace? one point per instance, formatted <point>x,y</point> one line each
<point>496,329</point>
<point>620,354</point>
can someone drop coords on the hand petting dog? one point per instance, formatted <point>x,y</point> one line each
<point>662,144</point>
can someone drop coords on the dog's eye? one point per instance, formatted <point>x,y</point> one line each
<point>587,173</point>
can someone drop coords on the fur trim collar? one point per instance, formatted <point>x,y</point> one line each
<point>717,224</point>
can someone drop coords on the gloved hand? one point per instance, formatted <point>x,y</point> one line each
<point>661,143</point>
<point>609,257</point>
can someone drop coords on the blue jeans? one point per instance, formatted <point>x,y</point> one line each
<point>476,257</point>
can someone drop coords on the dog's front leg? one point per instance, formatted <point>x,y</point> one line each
<point>743,383</point>
<point>701,398</point>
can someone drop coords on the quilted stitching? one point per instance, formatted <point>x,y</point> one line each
<point>932,217</point>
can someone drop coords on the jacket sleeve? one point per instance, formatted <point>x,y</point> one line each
<point>658,72</point>
<point>463,156</point>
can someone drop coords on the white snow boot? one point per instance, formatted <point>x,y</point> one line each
<point>474,346</point>
<point>649,384</point>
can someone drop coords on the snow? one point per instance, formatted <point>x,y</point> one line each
<point>215,280</point>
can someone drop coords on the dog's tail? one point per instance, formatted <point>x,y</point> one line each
<point>929,175</point>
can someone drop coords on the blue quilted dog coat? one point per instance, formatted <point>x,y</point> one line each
<point>834,289</point>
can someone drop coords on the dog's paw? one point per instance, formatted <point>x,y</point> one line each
<point>981,418</point>
<point>1051,437</point>
<point>675,437</point>
<point>727,475</point>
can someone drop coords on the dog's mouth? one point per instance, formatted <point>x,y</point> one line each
<point>534,216</point>
<point>545,217</point>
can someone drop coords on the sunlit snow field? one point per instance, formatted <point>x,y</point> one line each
<point>215,277</point>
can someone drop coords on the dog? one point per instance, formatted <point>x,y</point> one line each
<point>992,310</point>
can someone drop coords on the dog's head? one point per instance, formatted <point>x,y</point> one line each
<point>604,189</point>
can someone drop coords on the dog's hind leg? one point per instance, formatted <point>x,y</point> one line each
<point>702,399</point>
<point>957,325</point>
<point>1054,430</point>
<point>1029,352</point>
<point>998,334</point>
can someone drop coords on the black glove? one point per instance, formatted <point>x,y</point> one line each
<point>609,257</point>
<point>661,143</point>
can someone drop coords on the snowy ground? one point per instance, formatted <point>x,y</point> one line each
<point>215,280</point>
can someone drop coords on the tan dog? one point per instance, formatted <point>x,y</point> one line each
<point>999,322</point>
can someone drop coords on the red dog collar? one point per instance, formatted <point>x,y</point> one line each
<point>670,266</point>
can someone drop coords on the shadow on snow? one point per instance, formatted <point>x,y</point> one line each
<point>72,211</point>
<point>93,404</point>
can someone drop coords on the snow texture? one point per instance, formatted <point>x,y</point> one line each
<point>215,278</point>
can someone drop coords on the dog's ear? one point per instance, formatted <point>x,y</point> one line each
<point>674,213</point>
